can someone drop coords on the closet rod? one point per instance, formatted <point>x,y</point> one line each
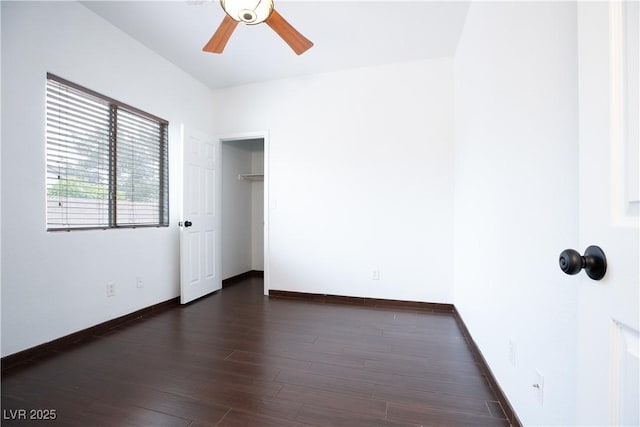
<point>251,176</point>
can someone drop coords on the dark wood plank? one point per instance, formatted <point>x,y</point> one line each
<point>238,358</point>
<point>346,386</point>
<point>437,417</point>
<point>269,361</point>
<point>337,371</point>
<point>272,407</point>
<point>428,400</point>
<point>337,401</point>
<point>323,417</point>
<point>243,419</point>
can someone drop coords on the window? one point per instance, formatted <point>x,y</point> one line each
<point>107,162</point>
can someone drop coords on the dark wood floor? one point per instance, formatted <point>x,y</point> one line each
<point>238,358</point>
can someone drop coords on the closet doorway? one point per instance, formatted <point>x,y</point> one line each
<point>244,194</point>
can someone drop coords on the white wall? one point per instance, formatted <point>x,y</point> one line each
<point>54,284</point>
<point>360,178</point>
<point>516,197</point>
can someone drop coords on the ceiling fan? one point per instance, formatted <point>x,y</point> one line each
<point>253,12</point>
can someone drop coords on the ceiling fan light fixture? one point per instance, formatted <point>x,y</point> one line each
<point>250,12</point>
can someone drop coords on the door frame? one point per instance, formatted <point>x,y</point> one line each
<point>264,135</point>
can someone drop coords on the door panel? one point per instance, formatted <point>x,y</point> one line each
<point>625,393</point>
<point>608,310</point>
<point>193,262</point>
<point>210,254</point>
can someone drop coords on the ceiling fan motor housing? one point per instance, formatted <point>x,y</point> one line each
<point>248,11</point>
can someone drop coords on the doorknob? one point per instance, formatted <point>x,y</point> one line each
<point>188,224</point>
<point>594,262</point>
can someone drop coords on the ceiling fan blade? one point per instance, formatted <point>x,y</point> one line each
<point>290,35</point>
<point>221,36</point>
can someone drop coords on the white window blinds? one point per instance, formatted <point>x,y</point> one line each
<point>107,163</point>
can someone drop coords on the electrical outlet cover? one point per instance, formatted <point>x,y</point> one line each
<point>111,289</point>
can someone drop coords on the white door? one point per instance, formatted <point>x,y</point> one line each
<point>199,230</point>
<point>607,369</point>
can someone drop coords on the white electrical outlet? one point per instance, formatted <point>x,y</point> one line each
<point>111,289</point>
<point>139,282</point>
<point>375,275</point>
<point>512,352</point>
<point>538,386</point>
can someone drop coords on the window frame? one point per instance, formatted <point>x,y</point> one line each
<point>112,199</point>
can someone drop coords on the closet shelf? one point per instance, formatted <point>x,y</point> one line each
<point>251,176</point>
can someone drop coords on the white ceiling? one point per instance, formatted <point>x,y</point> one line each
<point>346,34</point>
